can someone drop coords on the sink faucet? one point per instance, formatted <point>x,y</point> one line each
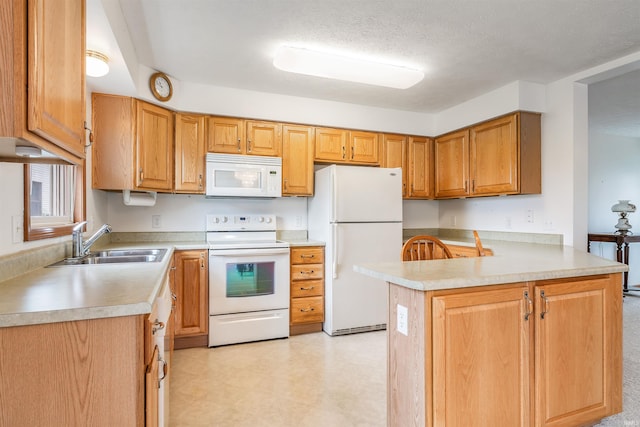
<point>81,247</point>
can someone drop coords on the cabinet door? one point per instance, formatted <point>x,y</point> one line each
<point>394,155</point>
<point>420,168</point>
<point>154,147</point>
<point>56,92</point>
<point>151,390</point>
<point>451,160</point>
<point>225,135</point>
<point>495,157</point>
<point>364,147</point>
<point>264,138</point>
<point>331,145</point>
<point>481,362</point>
<point>578,372</point>
<point>192,313</point>
<point>190,154</point>
<point>297,160</point>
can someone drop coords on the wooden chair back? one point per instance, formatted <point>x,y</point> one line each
<point>479,247</point>
<point>420,248</point>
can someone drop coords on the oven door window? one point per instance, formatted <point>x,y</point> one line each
<point>250,279</point>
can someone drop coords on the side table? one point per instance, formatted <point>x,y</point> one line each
<point>622,249</point>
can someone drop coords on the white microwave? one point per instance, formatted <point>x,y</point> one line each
<point>232,175</point>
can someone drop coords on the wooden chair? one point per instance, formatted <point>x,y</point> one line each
<point>420,248</point>
<point>479,247</point>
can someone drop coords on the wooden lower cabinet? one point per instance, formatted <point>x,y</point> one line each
<point>192,298</point>
<point>544,353</point>
<point>307,290</point>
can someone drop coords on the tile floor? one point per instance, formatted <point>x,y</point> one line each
<point>305,380</point>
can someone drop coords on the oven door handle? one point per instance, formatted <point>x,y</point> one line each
<point>248,252</point>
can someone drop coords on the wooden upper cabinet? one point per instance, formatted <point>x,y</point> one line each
<point>420,176</point>
<point>364,147</point>
<point>42,50</point>
<point>225,135</point>
<point>505,155</point>
<point>154,148</point>
<point>451,161</point>
<point>331,145</point>
<point>343,146</point>
<point>190,154</point>
<point>394,155</point>
<point>264,138</point>
<point>297,160</point>
<point>238,136</point>
<point>133,144</point>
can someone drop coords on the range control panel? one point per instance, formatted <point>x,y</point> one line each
<point>241,222</point>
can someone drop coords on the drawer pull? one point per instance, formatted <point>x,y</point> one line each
<point>307,289</point>
<point>307,256</point>
<point>307,272</point>
<point>157,325</point>
<point>306,310</point>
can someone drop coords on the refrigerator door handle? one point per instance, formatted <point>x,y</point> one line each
<point>334,195</point>
<point>334,251</point>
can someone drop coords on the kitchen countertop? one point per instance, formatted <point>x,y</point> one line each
<point>511,263</point>
<point>78,292</point>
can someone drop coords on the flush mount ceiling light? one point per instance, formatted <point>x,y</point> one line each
<point>332,66</point>
<point>28,151</point>
<point>97,64</point>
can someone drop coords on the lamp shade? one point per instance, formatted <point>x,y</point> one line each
<point>623,206</point>
<point>97,64</point>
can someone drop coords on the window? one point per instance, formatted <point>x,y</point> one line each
<point>53,199</point>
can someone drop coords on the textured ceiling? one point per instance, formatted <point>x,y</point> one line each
<point>466,48</point>
<point>614,105</point>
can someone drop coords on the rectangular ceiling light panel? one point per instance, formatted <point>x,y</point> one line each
<point>322,64</point>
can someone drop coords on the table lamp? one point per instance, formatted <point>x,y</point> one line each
<point>623,207</point>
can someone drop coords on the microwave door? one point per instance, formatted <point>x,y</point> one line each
<point>229,180</point>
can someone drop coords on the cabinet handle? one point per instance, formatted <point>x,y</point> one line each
<point>344,152</point>
<point>307,289</point>
<point>285,184</point>
<point>141,175</point>
<point>353,149</point>
<point>307,272</point>
<point>465,186</point>
<point>306,310</point>
<point>473,186</point>
<point>157,325</point>
<point>248,145</point>
<point>201,261</point>
<point>200,181</point>
<point>529,305</point>
<point>307,256</point>
<point>545,307</point>
<point>165,369</point>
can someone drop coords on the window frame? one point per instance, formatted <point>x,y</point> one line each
<point>33,231</point>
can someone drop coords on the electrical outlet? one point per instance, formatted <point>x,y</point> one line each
<point>530,216</point>
<point>17,230</point>
<point>298,221</point>
<point>155,221</point>
<point>453,221</point>
<point>403,320</point>
<point>507,222</point>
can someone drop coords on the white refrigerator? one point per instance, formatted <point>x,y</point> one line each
<point>357,212</point>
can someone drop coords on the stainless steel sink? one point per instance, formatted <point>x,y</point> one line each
<point>116,256</point>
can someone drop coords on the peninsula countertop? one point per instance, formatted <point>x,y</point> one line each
<point>512,262</point>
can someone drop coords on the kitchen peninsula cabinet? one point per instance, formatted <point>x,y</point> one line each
<point>348,147</point>
<point>238,136</point>
<point>307,289</point>
<point>496,157</point>
<point>133,145</point>
<point>190,154</point>
<point>298,144</point>
<point>192,300</point>
<point>37,55</point>
<point>529,337</point>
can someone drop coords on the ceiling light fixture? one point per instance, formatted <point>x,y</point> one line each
<point>97,64</point>
<point>28,151</point>
<point>332,66</point>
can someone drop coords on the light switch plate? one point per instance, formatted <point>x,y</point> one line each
<point>403,320</point>
<point>17,229</point>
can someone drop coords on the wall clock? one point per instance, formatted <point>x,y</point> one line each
<point>161,87</point>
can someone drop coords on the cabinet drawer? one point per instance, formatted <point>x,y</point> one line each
<point>307,272</point>
<point>307,288</point>
<point>307,310</point>
<point>308,255</point>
